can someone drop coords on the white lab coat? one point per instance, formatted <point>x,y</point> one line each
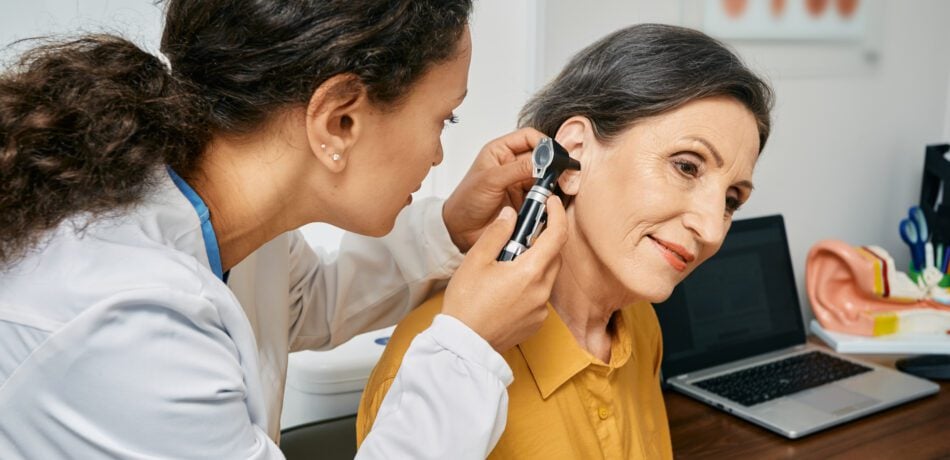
<point>117,340</point>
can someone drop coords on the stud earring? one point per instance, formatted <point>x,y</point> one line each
<point>323,146</point>
<point>335,156</point>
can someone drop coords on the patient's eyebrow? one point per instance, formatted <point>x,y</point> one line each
<point>715,153</point>
<point>746,184</point>
<point>718,157</point>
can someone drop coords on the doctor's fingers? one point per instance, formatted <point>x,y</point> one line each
<point>513,176</point>
<point>507,148</point>
<point>517,192</point>
<point>535,298</point>
<point>541,281</point>
<point>494,238</point>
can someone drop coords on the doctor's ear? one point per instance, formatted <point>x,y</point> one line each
<point>336,115</point>
<point>573,135</point>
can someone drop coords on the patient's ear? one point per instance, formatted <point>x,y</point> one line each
<point>572,135</point>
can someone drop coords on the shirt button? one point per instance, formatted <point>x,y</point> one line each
<point>602,413</point>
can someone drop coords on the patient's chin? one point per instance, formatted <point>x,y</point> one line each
<point>659,298</point>
<point>640,284</point>
<point>655,293</point>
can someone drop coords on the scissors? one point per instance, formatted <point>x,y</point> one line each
<point>915,233</point>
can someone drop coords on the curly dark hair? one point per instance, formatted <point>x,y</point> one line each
<point>643,71</point>
<point>84,124</point>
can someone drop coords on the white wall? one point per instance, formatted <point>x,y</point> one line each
<point>846,153</point>
<point>500,81</point>
<point>946,118</point>
<point>139,21</point>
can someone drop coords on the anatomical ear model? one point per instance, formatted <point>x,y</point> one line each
<point>858,290</point>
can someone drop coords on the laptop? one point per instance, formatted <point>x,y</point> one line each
<point>733,337</point>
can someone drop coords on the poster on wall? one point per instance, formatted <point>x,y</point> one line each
<point>818,20</point>
<point>796,38</point>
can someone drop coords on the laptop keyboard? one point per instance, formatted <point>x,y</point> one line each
<point>772,380</point>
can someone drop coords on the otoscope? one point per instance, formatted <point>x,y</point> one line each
<point>549,160</point>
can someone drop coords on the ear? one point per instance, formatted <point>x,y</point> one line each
<point>336,115</point>
<point>572,135</point>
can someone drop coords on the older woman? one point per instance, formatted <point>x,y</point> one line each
<point>667,125</point>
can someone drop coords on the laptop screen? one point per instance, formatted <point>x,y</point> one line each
<point>740,303</point>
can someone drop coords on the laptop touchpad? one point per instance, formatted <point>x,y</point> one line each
<point>834,399</point>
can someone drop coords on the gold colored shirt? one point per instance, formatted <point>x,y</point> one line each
<point>564,403</point>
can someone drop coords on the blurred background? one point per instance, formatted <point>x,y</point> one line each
<point>862,87</point>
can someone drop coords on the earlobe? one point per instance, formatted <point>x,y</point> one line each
<point>332,159</point>
<point>573,135</point>
<point>570,182</point>
<point>334,120</point>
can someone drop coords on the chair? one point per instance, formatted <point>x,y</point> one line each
<point>326,439</point>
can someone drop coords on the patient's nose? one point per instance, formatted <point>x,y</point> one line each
<point>706,220</point>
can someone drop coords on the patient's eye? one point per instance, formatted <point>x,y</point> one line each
<point>732,205</point>
<point>686,167</point>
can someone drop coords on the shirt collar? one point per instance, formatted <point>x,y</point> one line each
<point>204,216</point>
<point>554,356</point>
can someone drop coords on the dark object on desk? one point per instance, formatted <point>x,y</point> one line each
<point>328,439</point>
<point>935,202</point>
<point>733,337</point>
<point>935,195</point>
<point>933,367</point>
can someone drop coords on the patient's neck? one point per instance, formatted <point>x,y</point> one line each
<point>585,299</point>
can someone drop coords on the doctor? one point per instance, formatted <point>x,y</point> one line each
<point>152,279</point>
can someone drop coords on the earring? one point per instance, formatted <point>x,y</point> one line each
<point>334,156</point>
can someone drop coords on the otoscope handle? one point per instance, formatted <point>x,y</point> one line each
<point>506,255</point>
<point>530,220</point>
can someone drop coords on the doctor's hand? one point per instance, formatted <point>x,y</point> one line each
<point>500,176</point>
<point>506,302</point>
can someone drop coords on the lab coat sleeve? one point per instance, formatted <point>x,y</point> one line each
<point>370,283</point>
<point>448,400</point>
<point>175,386</point>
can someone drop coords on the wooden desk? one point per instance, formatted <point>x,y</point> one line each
<point>916,430</point>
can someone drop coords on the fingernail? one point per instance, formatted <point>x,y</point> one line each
<point>507,213</point>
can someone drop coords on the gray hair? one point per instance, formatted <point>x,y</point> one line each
<point>642,71</point>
